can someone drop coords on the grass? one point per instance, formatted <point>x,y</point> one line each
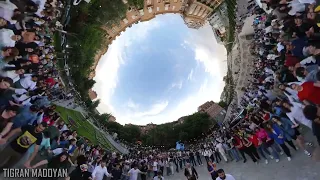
<point>83,127</point>
<point>231,4</point>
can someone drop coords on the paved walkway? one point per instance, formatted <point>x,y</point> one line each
<point>300,167</point>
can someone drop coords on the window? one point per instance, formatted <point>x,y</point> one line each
<point>125,21</point>
<point>150,9</point>
<point>158,8</point>
<point>167,7</point>
<point>148,2</point>
<point>133,16</point>
<point>173,7</point>
<point>113,31</point>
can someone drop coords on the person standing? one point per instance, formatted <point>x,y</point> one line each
<point>223,176</point>
<point>155,167</point>
<point>167,165</point>
<point>212,170</point>
<point>206,154</point>
<point>117,172</point>
<point>219,148</point>
<point>199,157</point>
<point>190,172</point>
<point>192,160</point>
<point>144,169</point>
<point>134,172</point>
<point>100,171</point>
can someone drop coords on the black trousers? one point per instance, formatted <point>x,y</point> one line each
<point>285,149</point>
<point>207,158</point>
<point>252,152</point>
<point>242,154</point>
<point>193,162</point>
<point>217,155</point>
<point>199,160</point>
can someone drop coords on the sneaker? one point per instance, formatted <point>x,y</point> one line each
<point>271,157</point>
<point>289,158</point>
<point>256,163</point>
<point>244,161</point>
<point>281,152</point>
<point>307,153</point>
<point>266,161</point>
<point>309,144</point>
<point>277,160</point>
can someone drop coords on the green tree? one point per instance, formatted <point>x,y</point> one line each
<point>223,104</point>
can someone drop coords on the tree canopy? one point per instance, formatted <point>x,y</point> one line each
<point>193,126</point>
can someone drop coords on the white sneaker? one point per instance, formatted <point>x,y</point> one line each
<point>266,161</point>
<point>281,152</point>
<point>307,153</point>
<point>309,144</point>
<point>277,160</point>
<point>289,158</point>
<point>271,157</point>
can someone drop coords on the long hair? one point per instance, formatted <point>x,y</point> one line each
<point>14,53</point>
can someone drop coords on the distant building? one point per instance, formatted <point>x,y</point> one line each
<point>214,110</point>
<point>219,23</point>
<point>92,94</point>
<point>112,119</point>
<point>145,129</point>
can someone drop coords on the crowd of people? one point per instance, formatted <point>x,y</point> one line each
<point>283,98</point>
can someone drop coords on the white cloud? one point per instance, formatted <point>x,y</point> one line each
<point>132,104</point>
<point>176,85</point>
<point>190,76</point>
<point>154,110</point>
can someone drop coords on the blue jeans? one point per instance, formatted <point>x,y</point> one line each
<point>260,150</point>
<point>274,148</point>
<point>235,154</point>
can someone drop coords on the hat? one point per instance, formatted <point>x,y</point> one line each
<point>266,116</point>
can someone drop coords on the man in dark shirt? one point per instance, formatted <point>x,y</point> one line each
<point>80,173</point>
<point>116,172</point>
<point>29,135</point>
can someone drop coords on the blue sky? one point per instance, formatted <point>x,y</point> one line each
<point>160,70</point>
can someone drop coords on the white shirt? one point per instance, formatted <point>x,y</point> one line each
<point>99,172</point>
<point>155,166</point>
<point>134,174</point>
<point>5,38</point>
<point>28,83</point>
<point>64,128</point>
<point>228,177</point>
<point>11,74</point>
<point>297,114</point>
<point>220,147</point>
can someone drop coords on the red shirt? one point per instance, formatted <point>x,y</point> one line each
<point>291,60</point>
<point>48,120</point>
<point>238,143</point>
<point>254,139</point>
<point>309,93</point>
<point>50,81</point>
